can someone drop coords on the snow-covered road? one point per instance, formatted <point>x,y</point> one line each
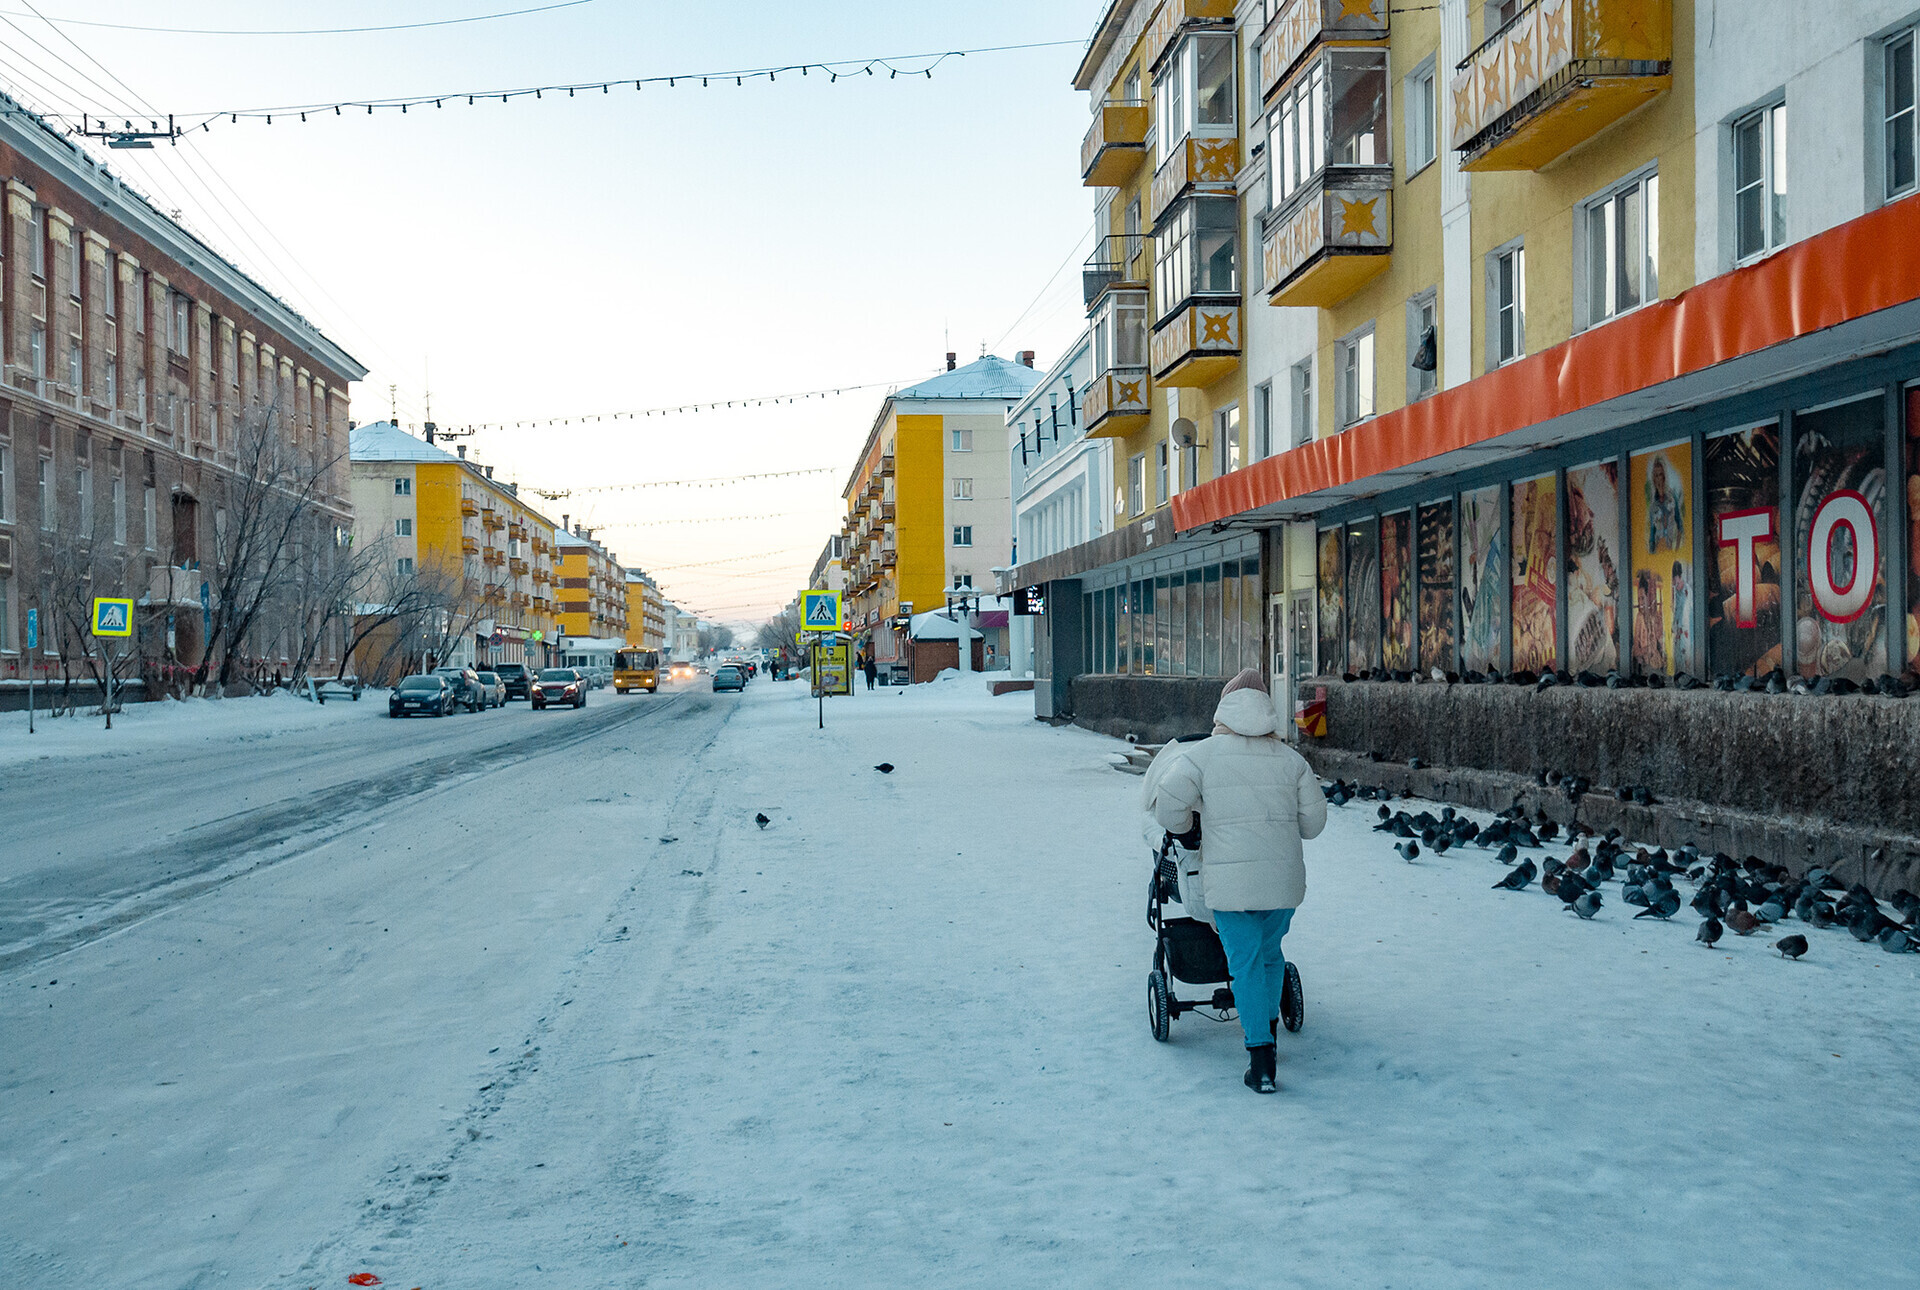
<point>497,1030</point>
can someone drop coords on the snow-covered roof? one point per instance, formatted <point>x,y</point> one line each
<point>385,441</point>
<point>934,625</point>
<point>987,377</point>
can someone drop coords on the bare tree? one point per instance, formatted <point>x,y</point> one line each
<point>400,604</point>
<point>783,632</point>
<point>76,567</point>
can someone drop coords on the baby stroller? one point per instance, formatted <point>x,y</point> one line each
<point>1190,950</point>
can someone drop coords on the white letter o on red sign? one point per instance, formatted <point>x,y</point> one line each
<point>1849,510</point>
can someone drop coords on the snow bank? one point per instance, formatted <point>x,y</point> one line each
<point>176,724</point>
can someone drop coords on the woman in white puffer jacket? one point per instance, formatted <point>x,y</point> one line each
<point>1257,800</point>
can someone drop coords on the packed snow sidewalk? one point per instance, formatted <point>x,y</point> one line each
<point>899,1036</point>
<point>176,726</point>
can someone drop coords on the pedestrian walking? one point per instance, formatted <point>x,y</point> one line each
<point>867,666</point>
<point>1257,801</point>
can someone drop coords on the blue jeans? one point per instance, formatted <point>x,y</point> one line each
<point>1251,938</point>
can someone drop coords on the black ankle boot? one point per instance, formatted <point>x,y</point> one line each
<point>1260,1069</point>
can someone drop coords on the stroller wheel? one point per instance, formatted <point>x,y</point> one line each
<point>1157,1004</point>
<point>1293,1005</point>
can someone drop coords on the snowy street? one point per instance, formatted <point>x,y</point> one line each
<point>531,998</point>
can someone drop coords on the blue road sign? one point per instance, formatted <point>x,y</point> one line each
<point>820,611</point>
<point>33,629</point>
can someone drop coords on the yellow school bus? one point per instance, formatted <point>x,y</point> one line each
<point>636,669</point>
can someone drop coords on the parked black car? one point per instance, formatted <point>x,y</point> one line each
<point>466,683</point>
<point>431,695</point>
<point>560,687</point>
<point>518,679</point>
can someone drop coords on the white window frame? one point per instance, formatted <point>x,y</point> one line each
<point>119,510</point>
<point>1420,113</point>
<point>403,567</point>
<point>6,464</point>
<point>150,513</point>
<point>83,497</point>
<point>963,535</point>
<point>1227,455</point>
<point>1599,217</point>
<point>1263,446</point>
<point>1356,369</point>
<point>1900,122</point>
<point>1768,188</point>
<point>1137,484</point>
<point>39,221</point>
<point>1163,467</point>
<point>1500,305</point>
<point>1300,402</point>
<point>403,527</point>
<point>48,501</point>
<point>402,486</point>
<point>962,439</point>
<point>962,489</point>
<point>1423,311</point>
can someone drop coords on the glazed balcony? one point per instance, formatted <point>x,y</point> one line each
<point>1332,239</point>
<point>516,530</point>
<point>469,546</point>
<point>1555,76</point>
<point>1198,163</point>
<point>1119,261</point>
<point>1117,403</point>
<point>1198,345</point>
<point>1177,16</point>
<point>1115,144</point>
<point>469,507</point>
<point>1305,26</point>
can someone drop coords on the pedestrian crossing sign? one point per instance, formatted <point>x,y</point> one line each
<point>112,617</point>
<point>820,611</point>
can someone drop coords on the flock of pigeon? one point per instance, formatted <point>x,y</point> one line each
<point>1743,897</point>
<point>1775,682</point>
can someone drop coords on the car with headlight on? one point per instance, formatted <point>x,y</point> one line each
<point>560,687</point>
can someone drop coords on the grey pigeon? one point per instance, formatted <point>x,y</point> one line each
<point>1666,906</point>
<point>1586,904</point>
<point>760,818</point>
<point>1709,932</point>
<point>1894,940</point>
<point>1409,850</point>
<point>1518,878</point>
<point>1791,947</point>
<point>885,768</point>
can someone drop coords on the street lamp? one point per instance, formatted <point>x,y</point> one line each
<point>962,604</point>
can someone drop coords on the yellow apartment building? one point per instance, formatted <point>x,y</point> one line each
<point>590,586</point>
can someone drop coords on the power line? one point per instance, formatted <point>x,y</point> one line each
<point>732,559</point>
<point>1081,241</point>
<point>309,31</point>
<point>716,481</point>
<point>756,400</point>
<point>710,519</point>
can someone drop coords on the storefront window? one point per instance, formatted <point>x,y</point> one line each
<point>1331,622</point>
<point>1536,527</point>
<point>1229,619</point>
<point>1662,546</point>
<point>1743,542</point>
<point>1143,617</point>
<point>1593,568</point>
<point>1177,627</point>
<point>1436,586</point>
<point>1913,526</point>
<point>1210,623</point>
<point>1196,622</point>
<point>1839,486</point>
<point>1250,615</point>
<point>1483,581</point>
<point>1123,631</point>
<point>1363,596</point>
<point>1396,591</point>
<point>1162,617</point>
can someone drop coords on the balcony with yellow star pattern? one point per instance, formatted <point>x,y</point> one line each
<point>1303,27</point>
<point>1117,403</point>
<point>1556,75</point>
<point>1333,238</point>
<point>1197,345</point>
<point>1197,164</point>
<point>1176,16</point>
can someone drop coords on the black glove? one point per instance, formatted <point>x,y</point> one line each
<point>1191,838</point>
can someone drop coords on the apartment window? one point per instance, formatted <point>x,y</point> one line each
<point>1423,345</point>
<point>962,440</point>
<point>83,492</point>
<point>46,495</point>
<point>403,566</point>
<point>1297,135</point>
<point>1621,246</point>
<point>1301,392</point>
<point>140,396</point>
<point>110,288</point>
<point>1226,440</point>
<point>962,490</point>
<point>1137,482</point>
<point>1335,114</point>
<point>963,535</point>
<point>1163,480</point>
<point>1196,89</point>
<point>1502,12</point>
<point>1901,116</point>
<point>147,514</point>
<point>73,364</point>
<point>1760,182</point>
<point>177,340</point>
<point>113,380</point>
<point>1353,364</point>
<point>6,614</point>
<point>1196,253</point>
<point>1120,331</point>
<point>403,487</point>
<point>40,243</point>
<point>962,580</point>
<point>3,482</point>
<point>1507,304</point>
<point>403,527</point>
<point>119,511</point>
<point>1262,421</point>
<point>1421,119</point>
<point>37,350</point>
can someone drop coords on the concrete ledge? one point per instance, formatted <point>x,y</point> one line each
<point>1153,709</point>
<point>1797,841</point>
<point>998,688</point>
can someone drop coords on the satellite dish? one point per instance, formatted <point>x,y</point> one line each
<point>1185,434</point>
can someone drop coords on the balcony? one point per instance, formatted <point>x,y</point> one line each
<point>494,555</point>
<point>1175,16</point>
<point>516,530</point>
<point>888,556</point>
<point>886,465</point>
<point>1305,25</point>
<point>490,520</point>
<point>1332,239</point>
<point>1558,74</point>
<point>1197,345</point>
<point>1117,403</point>
<point>542,577</point>
<point>1197,164</point>
<point>518,566</point>
<point>541,604</point>
<point>886,512</point>
<point>172,586</point>
<point>1119,261</point>
<point>495,595</point>
<point>1115,144</point>
<point>469,546</point>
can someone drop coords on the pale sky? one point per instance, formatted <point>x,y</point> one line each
<point>628,250</point>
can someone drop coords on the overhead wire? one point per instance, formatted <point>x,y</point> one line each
<point>311,31</point>
<point>709,405</point>
<point>1078,243</point>
<point>713,481</point>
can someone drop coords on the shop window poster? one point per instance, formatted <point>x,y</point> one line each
<point>1332,628</point>
<point>1483,580</point>
<point>1742,475</point>
<point>1839,510</point>
<point>1396,590</point>
<point>1536,530</point>
<point>1661,533</point>
<point>1363,596</point>
<point>1593,568</point>
<point>1913,527</point>
<point>1436,586</point>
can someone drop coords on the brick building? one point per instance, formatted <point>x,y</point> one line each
<point>146,380</point>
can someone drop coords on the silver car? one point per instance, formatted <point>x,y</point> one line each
<point>494,688</point>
